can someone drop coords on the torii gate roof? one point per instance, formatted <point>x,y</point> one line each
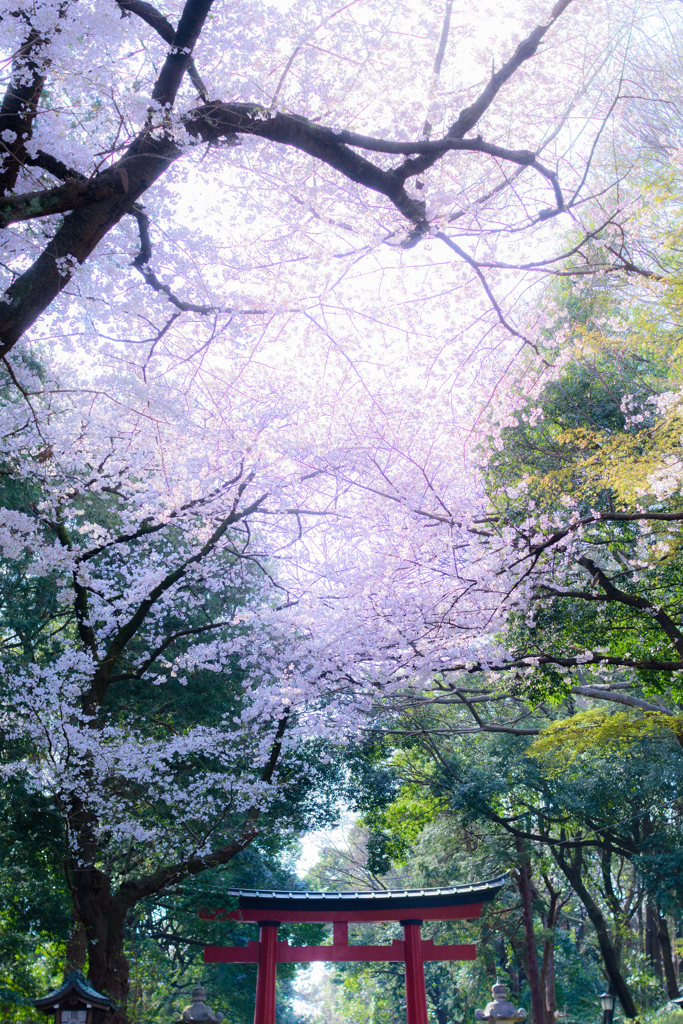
<point>444,904</point>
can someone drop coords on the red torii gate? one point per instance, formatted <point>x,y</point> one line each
<point>410,907</point>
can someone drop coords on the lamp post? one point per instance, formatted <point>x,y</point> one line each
<point>607,1003</point>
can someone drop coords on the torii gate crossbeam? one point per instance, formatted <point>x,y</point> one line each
<point>410,907</point>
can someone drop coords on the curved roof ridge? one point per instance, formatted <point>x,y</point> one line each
<point>442,890</point>
<point>74,981</point>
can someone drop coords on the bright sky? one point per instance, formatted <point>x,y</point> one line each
<point>313,842</point>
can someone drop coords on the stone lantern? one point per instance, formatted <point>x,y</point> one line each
<point>500,1010</point>
<point>75,1002</point>
<point>198,1012</point>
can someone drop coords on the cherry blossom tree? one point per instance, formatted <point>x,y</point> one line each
<point>248,450</point>
<point>132,568</point>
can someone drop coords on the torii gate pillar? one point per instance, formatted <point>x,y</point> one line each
<point>416,994</point>
<point>264,1010</point>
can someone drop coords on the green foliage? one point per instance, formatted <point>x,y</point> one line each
<point>612,798</point>
<point>668,1015</point>
<point>165,936</point>
<point>608,732</point>
<point>34,902</point>
<point>405,818</point>
<point>602,437</point>
<point>573,439</point>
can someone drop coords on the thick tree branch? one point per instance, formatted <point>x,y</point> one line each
<point>631,600</point>
<point>178,60</point>
<point>470,116</point>
<point>74,194</point>
<point>536,660</point>
<point>226,120</point>
<point>32,292</point>
<point>19,109</point>
<point>625,699</point>
<point>145,161</point>
<point>55,167</point>
<point>156,20</point>
<point>443,41</point>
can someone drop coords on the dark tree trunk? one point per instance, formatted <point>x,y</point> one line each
<point>610,959</point>
<point>548,979</point>
<point>548,958</point>
<point>104,918</point>
<point>524,885</point>
<point>519,950</point>
<point>667,958</point>
<point>652,947</point>
<point>76,949</point>
<point>434,994</point>
<point>102,914</point>
<point>513,975</point>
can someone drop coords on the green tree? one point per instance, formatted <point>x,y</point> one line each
<point>609,825</point>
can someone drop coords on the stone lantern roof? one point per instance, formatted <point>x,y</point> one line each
<point>74,985</point>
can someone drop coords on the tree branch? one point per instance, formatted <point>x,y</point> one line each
<point>19,109</point>
<point>156,20</point>
<point>93,697</point>
<point>178,60</point>
<point>132,891</point>
<point>642,604</point>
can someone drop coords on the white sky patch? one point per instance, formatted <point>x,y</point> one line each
<point>310,980</point>
<point>309,984</point>
<point>313,843</point>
